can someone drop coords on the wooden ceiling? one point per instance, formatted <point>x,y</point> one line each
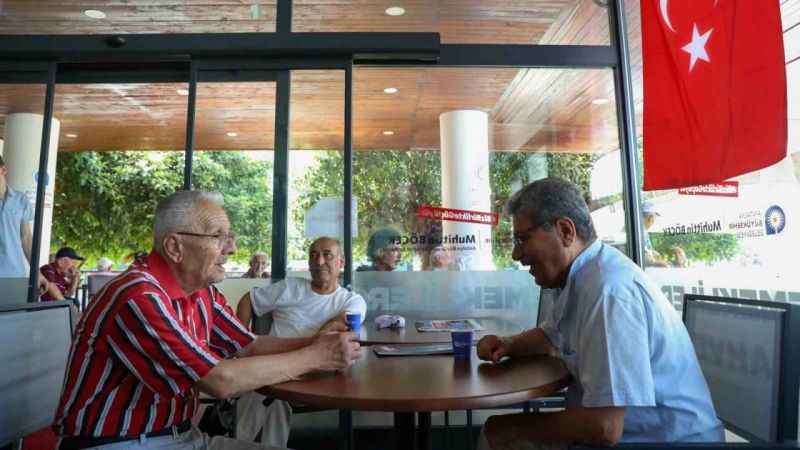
<point>530,109</point>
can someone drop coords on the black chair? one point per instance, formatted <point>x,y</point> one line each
<point>754,341</point>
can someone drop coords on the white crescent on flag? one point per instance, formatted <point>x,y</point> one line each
<point>664,4</point>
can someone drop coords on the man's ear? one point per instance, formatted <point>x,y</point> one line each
<point>173,249</point>
<point>565,229</point>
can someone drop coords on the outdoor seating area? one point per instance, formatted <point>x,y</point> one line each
<point>433,225</point>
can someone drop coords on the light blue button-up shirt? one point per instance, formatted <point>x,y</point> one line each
<point>626,346</point>
<point>14,210</point>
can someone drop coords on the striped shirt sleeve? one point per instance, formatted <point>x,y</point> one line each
<point>157,348</point>
<point>228,335</point>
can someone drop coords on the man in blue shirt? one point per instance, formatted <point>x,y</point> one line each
<point>635,374</point>
<point>16,236</point>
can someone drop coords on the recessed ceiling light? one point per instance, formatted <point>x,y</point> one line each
<point>390,90</point>
<point>232,134</point>
<point>395,11</point>
<point>600,101</point>
<point>94,14</point>
<point>388,132</point>
<point>72,135</point>
<point>182,91</point>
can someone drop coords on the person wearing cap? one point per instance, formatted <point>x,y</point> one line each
<point>651,257</point>
<point>64,273</point>
<point>383,251</point>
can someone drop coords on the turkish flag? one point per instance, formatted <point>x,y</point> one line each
<point>714,90</point>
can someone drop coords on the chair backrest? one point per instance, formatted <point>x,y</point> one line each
<point>748,351</point>
<point>96,281</point>
<point>36,339</point>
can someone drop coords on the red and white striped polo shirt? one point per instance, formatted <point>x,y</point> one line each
<point>139,349</point>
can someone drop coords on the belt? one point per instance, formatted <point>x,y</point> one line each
<point>80,442</point>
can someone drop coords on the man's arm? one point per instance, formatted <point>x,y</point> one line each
<point>244,310</point>
<point>528,343</point>
<point>235,376</point>
<point>26,236</point>
<point>53,290</point>
<point>596,427</point>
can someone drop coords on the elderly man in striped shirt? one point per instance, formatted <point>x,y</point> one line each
<point>161,332</point>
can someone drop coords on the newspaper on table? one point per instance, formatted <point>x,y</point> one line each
<point>413,350</point>
<point>448,325</point>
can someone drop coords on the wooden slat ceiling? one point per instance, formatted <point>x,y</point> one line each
<point>530,109</point>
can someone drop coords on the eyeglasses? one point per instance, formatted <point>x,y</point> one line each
<point>223,239</point>
<point>523,236</point>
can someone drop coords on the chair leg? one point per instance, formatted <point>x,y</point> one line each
<point>526,407</point>
<point>346,429</point>
<point>446,436</point>
<point>470,444</point>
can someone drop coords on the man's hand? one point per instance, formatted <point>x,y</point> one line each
<point>336,351</point>
<point>42,283</point>
<point>492,348</point>
<point>336,324</point>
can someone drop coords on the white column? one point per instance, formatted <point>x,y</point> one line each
<point>465,184</point>
<point>23,141</point>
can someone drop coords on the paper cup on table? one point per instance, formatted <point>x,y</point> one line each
<point>462,344</point>
<point>353,320</point>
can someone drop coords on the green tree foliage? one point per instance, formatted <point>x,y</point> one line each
<point>105,201</point>
<point>706,247</point>
<point>391,185</point>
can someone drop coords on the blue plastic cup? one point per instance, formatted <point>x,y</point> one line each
<point>462,344</point>
<point>353,320</point>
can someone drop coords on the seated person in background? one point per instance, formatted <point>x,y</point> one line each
<point>104,265</point>
<point>439,258</point>
<point>299,308</point>
<point>64,273</point>
<point>258,266</point>
<point>681,260</point>
<point>651,257</point>
<point>160,333</point>
<point>635,374</point>
<point>383,251</point>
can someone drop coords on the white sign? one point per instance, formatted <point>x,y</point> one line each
<point>326,218</point>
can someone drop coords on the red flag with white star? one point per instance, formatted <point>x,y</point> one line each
<point>714,90</point>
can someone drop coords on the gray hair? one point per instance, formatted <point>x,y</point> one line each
<point>546,200</point>
<point>176,212</point>
<point>256,255</point>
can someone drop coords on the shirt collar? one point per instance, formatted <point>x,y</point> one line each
<point>157,266</point>
<point>586,255</point>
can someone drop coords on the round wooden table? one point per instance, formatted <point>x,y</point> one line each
<point>371,335</point>
<point>411,384</point>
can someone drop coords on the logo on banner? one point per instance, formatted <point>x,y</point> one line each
<point>774,219</point>
<point>457,215</point>
<point>724,189</point>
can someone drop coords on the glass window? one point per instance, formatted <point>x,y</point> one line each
<point>439,151</point>
<point>55,17</point>
<point>120,151</point>
<point>233,155</point>
<point>316,162</point>
<point>729,239</point>
<point>21,115</point>
<point>560,22</point>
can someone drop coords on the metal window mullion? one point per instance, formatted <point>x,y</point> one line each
<point>41,183</point>
<point>283,16</point>
<point>347,239</point>
<point>280,177</point>
<point>190,112</point>
<point>627,132</point>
